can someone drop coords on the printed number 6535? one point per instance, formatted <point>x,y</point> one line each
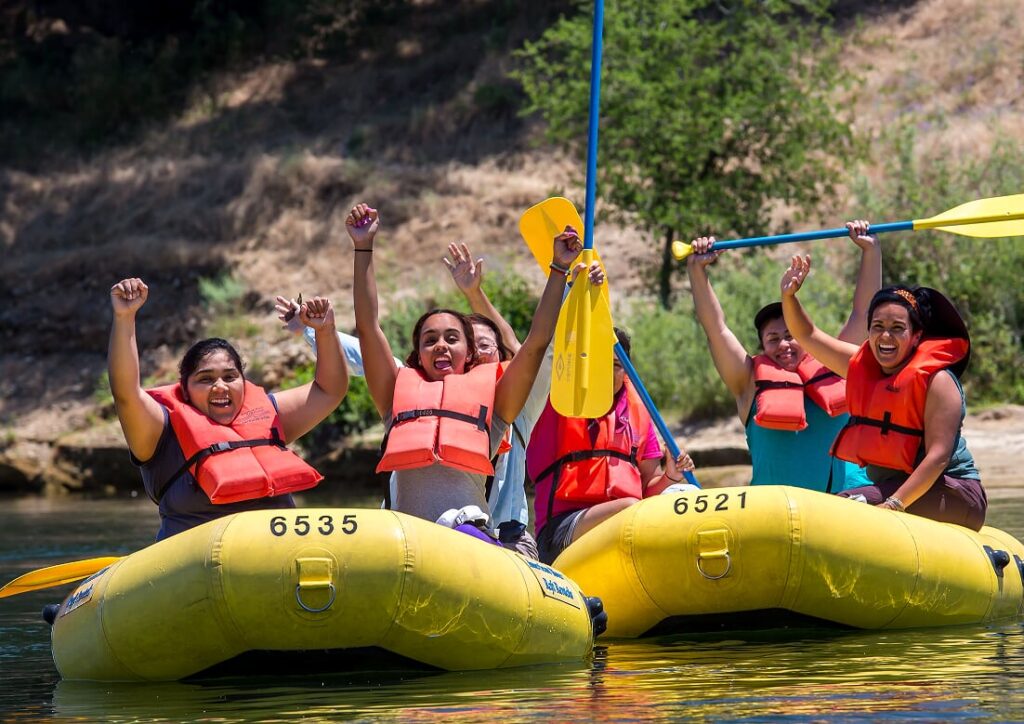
<point>305,524</point>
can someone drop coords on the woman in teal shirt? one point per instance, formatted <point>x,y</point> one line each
<point>784,457</point>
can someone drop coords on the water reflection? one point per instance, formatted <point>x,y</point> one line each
<point>947,674</point>
<point>942,674</point>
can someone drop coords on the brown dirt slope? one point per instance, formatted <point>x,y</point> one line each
<point>253,179</point>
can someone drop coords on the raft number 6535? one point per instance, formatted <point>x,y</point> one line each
<point>702,503</point>
<point>303,525</point>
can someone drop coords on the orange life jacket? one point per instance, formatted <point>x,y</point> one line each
<point>607,468</point>
<point>886,426</point>
<point>245,460</point>
<point>780,393</point>
<point>447,422</point>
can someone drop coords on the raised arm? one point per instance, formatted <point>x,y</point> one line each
<point>514,386</point>
<point>468,277</point>
<point>378,361</point>
<point>832,352</point>
<point>734,365</point>
<point>869,281</point>
<point>303,408</point>
<point>141,417</point>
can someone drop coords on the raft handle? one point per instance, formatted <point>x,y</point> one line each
<point>330,601</point>
<point>728,565</point>
<point>1000,559</point>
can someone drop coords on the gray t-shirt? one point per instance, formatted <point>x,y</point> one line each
<point>428,492</point>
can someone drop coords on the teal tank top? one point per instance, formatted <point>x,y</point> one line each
<point>961,462</point>
<point>801,459</point>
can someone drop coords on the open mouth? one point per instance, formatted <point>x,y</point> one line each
<point>443,363</point>
<point>221,404</point>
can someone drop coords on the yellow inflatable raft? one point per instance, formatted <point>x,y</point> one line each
<point>752,557</point>
<point>315,580</point>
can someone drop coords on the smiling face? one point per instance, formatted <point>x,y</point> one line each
<point>779,345</point>
<point>443,348</point>
<point>216,387</point>
<point>891,336</point>
<point>487,350</point>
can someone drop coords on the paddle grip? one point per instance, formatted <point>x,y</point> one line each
<point>656,417</point>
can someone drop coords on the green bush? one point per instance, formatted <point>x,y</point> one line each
<point>224,299</point>
<point>980,276</point>
<point>355,414</point>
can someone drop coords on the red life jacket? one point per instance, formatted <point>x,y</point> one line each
<point>245,460</point>
<point>886,426</point>
<point>447,422</point>
<point>780,393</point>
<point>607,468</point>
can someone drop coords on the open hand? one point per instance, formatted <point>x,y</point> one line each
<point>859,232</point>
<point>703,252</point>
<point>317,313</point>
<point>793,277</point>
<point>567,246</point>
<point>128,296</point>
<point>288,312</point>
<point>361,224</point>
<point>466,273</point>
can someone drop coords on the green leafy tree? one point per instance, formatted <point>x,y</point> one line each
<point>712,111</point>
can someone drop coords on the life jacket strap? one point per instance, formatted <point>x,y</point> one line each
<point>479,420</point>
<point>575,457</point>
<point>779,385</point>
<point>818,378</point>
<point>886,425</point>
<point>214,449</point>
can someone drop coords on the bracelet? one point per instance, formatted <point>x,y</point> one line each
<point>670,478</point>
<point>560,269</point>
<point>365,251</point>
<point>897,503</point>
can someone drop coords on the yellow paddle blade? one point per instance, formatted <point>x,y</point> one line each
<point>55,575</point>
<point>985,218</point>
<point>581,377</point>
<point>542,222</point>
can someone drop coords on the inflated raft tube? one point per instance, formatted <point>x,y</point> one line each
<point>315,580</point>
<point>746,556</point>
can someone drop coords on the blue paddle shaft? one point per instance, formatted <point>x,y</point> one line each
<point>638,385</point>
<point>595,105</point>
<point>588,220</point>
<point>809,236</point>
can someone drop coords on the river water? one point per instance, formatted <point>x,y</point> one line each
<point>967,674</point>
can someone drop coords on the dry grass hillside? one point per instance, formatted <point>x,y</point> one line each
<point>253,179</point>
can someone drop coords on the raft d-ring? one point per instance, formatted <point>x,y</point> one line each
<point>330,601</point>
<point>728,566</point>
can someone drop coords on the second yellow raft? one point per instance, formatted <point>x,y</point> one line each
<point>741,557</point>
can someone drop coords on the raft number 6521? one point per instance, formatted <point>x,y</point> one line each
<point>703,502</point>
<point>304,524</point>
